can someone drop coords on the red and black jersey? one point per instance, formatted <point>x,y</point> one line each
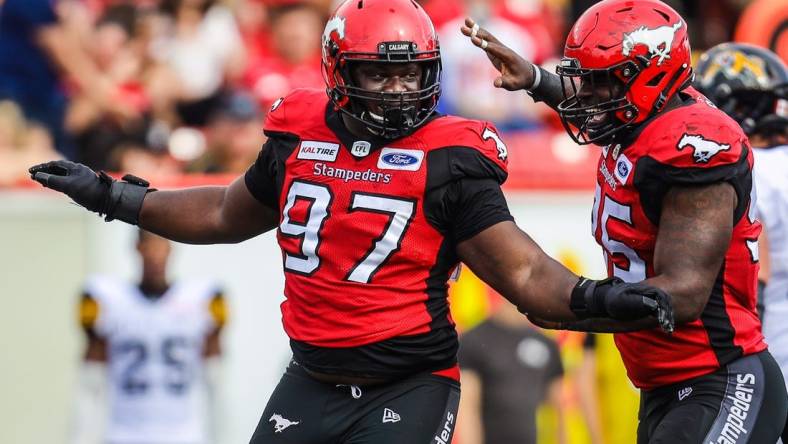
<point>693,144</point>
<point>368,230</point>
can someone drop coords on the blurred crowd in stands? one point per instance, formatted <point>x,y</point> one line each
<point>162,87</point>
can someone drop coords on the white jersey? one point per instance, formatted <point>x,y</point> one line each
<point>154,358</point>
<point>771,182</point>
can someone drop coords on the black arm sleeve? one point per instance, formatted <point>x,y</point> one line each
<point>467,206</point>
<point>549,90</point>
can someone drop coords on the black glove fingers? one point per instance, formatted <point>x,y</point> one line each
<point>650,303</point>
<point>56,167</point>
<point>40,167</point>
<point>665,315</point>
<point>42,178</point>
<point>53,181</point>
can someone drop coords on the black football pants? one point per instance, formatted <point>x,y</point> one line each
<point>420,409</point>
<point>744,402</point>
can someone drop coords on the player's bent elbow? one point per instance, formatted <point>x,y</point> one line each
<point>688,309</point>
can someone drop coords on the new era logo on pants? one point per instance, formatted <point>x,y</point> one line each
<point>390,416</point>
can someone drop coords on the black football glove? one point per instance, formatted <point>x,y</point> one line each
<point>99,193</point>
<point>613,298</point>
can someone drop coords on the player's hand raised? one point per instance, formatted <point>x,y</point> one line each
<point>77,181</point>
<point>516,72</point>
<point>99,193</point>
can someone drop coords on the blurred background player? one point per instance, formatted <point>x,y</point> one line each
<point>509,368</point>
<point>751,85</point>
<point>151,362</point>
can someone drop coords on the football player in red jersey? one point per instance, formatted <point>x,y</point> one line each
<point>376,198</point>
<point>672,209</point>
<point>750,84</point>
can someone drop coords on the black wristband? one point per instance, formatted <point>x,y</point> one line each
<point>577,302</point>
<point>550,90</point>
<point>125,199</point>
<point>588,297</point>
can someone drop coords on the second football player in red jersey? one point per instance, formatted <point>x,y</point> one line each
<point>376,199</point>
<point>672,206</point>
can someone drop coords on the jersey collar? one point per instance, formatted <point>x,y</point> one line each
<point>337,126</point>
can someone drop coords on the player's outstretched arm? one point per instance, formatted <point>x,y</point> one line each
<point>695,230</point>
<point>200,215</point>
<point>516,72</point>
<point>514,265</point>
<point>207,215</point>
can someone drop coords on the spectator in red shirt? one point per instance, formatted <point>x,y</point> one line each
<point>294,62</point>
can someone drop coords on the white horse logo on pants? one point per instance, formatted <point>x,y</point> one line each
<point>281,422</point>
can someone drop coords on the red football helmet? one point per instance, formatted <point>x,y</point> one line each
<point>623,61</point>
<point>382,31</point>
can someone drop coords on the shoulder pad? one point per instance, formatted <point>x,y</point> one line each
<point>296,111</point>
<point>479,135</point>
<point>88,312</point>
<point>104,289</point>
<point>697,147</point>
<point>465,148</point>
<point>218,309</point>
<point>700,137</point>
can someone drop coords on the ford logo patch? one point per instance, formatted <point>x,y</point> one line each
<point>399,159</point>
<point>623,169</point>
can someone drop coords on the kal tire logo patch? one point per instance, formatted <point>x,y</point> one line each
<point>314,150</point>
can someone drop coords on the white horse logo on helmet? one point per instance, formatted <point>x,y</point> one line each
<point>335,24</point>
<point>658,41</point>
<point>281,422</point>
